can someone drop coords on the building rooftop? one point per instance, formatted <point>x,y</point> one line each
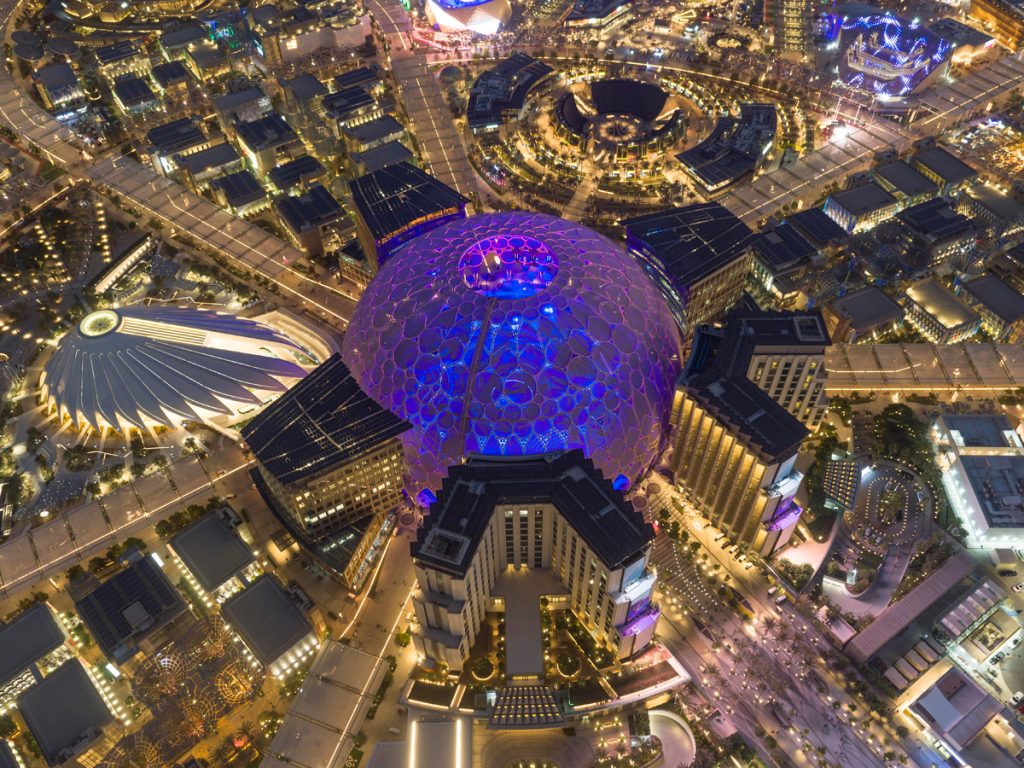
<point>867,308</point>
<point>265,617</point>
<point>393,199</point>
<point>239,188</point>
<point>226,103</point>
<point>63,711</point>
<point>183,35</point>
<point>956,707</point>
<point>864,199</point>
<point>323,421</point>
<point>900,177</point>
<point>935,220</point>
<point>176,136</point>
<point>133,91</point>
<point>55,77</point>
<point>998,204</point>
<point>716,375</point>
<point>817,226</point>
<point>392,153</point>
<point>314,208</point>
<point>691,242</point>
<point>998,483</point>
<point>30,636</point>
<point>265,132</point>
<point>119,51</point>
<point>782,247</point>
<point>503,87</point>
<point>960,34</point>
<point>340,103</point>
<point>374,130</point>
<point>941,303</point>
<point>470,493</point>
<point>734,147</point>
<point>360,76</point>
<point>997,296</point>
<point>306,87</point>
<point>213,157</point>
<point>129,605</point>
<point>212,551</point>
<point>947,166</point>
<point>300,170</point>
<point>170,73</point>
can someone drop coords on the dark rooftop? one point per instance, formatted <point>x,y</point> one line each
<point>265,617</point>
<point>315,208</point>
<point>584,497</point>
<point>119,51</point>
<point>900,177</point>
<point>392,199</point>
<point>63,711</point>
<point>226,102</point>
<point>211,550</point>
<point>934,220</point>
<point>133,91</point>
<point>240,188</point>
<point>863,199</point>
<point>782,247</point>
<point>7,758</point>
<point>503,87</point>
<point>129,605</point>
<point>341,103</point>
<point>356,77</point>
<point>867,308</point>
<point>55,77</point>
<point>182,35</point>
<point>995,295</point>
<point>30,636</point>
<point>392,153</point>
<point>301,170</point>
<point>817,226</point>
<point>306,87</point>
<point>265,132</point>
<point>733,148</point>
<point>691,242</point>
<point>375,130</point>
<point>716,375</point>
<point>945,165</point>
<point>213,157</point>
<point>324,420</point>
<point>176,136</point>
<point>170,73</point>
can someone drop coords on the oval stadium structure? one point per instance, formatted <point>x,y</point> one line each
<point>143,367</point>
<point>517,334</point>
<point>484,17</point>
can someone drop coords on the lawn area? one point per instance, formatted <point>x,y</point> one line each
<point>50,172</point>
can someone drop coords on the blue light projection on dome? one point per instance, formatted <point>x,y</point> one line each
<point>517,334</point>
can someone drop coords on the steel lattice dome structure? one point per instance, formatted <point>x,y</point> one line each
<point>159,366</point>
<point>517,334</point>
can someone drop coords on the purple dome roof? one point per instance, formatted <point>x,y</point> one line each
<point>517,334</point>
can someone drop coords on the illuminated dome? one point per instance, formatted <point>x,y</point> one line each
<point>148,366</point>
<point>517,334</point>
<point>484,17</point>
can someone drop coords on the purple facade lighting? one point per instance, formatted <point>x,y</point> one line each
<point>786,514</point>
<point>888,56</point>
<point>517,334</point>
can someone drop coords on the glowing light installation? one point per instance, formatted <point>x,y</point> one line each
<point>485,17</point>
<point>889,57</point>
<point>517,334</point>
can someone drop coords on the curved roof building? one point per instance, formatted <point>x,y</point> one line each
<point>517,334</point>
<point>484,17</point>
<point>147,366</point>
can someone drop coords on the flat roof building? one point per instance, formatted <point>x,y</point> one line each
<point>955,709</point>
<point>330,461</point>
<point>397,203</point>
<point>245,105</point>
<point>818,227</point>
<point>178,137</point>
<point>860,208</point>
<point>365,136</point>
<point>942,234</point>
<point>938,313</point>
<point>1004,17</point>
<point>982,456</point>
<point>211,552</point>
<point>308,216</point>
<point>239,192</point>
<point>296,173</point>
<point>200,168</point>
<point>392,153</point>
<point>496,516</point>
<point>998,214</point>
<point>861,315</point>
<point>133,95</point>
<point>271,626</point>
<point>781,251</point>
<point>58,85</point>
<point>32,642</point>
<point>908,184</point>
<point>171,75</point>
<point>267,141</point>
<point>734,149</point>
<point>1000,305</point>
<point>64,712</point>
<point>502,90</point>
<point>699,257</point>
<point>944,168</point>
<point>130,606</point>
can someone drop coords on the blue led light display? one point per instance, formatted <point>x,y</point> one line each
<point>889,57</point>
<point>517,334</point>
